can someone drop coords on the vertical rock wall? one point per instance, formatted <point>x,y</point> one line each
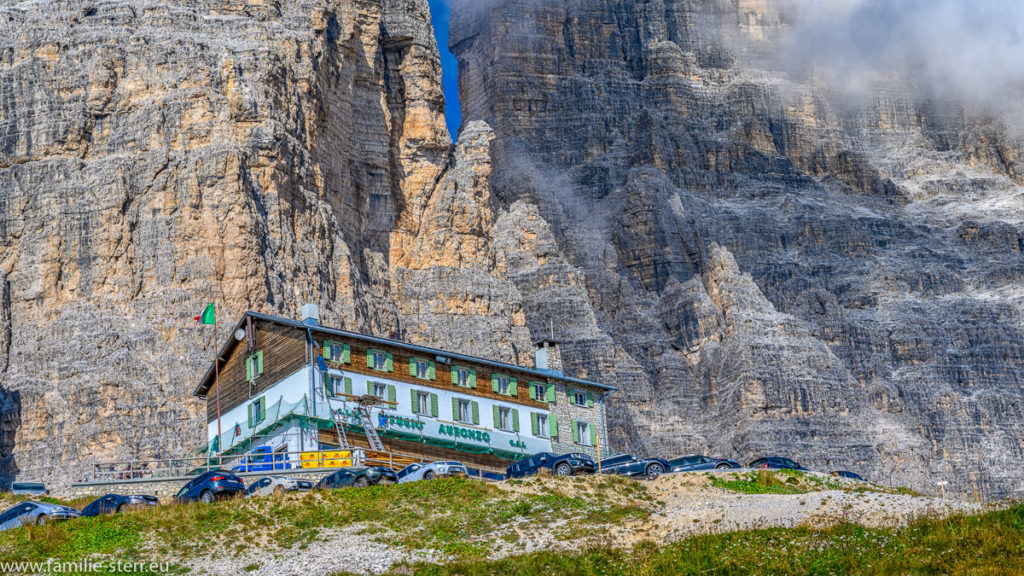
<point>760,265</point>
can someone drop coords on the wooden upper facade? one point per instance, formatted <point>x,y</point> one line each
<point>274,348</point>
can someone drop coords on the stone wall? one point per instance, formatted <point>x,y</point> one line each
<point>566,411</point>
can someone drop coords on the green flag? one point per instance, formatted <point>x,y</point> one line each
<point>207,316</point>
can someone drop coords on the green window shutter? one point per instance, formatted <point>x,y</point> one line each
<point>590,399</point>
<point>328,385</point>
<point>512,390</point>
<point>263,409</point>
<point>593,435</point>
<point>476,413</point>
<point>515,420</point>
<point>575,431</point>
<point>553,425</point>
<point>369,388</point>
<point>472,378</point>
<point>433,405</point>
<point>250,416</point>
<point>248,368</point>
<point>259,363</point>
<point>551,392</point>
<point>533,390</point>
<point>431,371</point>
<point>534,426</point>
<point>571,394</point>
<point>348,386</point>
<point>412,366</point>
<point>494,383</point>
<point>497,417</point>
<point>369,358</point>
<point>392,393</point>
<point>346,354</point>
<point>455,409</point>
<point>415,401</point>
<point>390,366</point>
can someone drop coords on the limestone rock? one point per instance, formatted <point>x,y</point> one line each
<point>779,270</point>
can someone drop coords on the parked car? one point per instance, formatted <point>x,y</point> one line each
<point>414,472</point>
<point>629,465</point>
<point>564,465</point>
<point>263,459</point>
<point>277,485</point>
<point>359,477</point>
<point>29,488</point>
<point>700,462</point>
<point>210,486</point>
<point>485,475</point>
<point>777,463</point>
<point>35,513</point>
<point>850,475</point>
<point>114,503</point>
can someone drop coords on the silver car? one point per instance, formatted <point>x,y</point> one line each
<point>414,472</point>
<point>35,513</point>
<point>276,485</point>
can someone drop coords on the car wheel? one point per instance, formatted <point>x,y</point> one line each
<point>722,466</point>
<point>41,520</point>
<point>361,482</point>
<point>563,469</point>
<point>654,470</point>
<point>120,507</point>
<point>207,497</point>
<point>429,475</point>
<point>278,491</point>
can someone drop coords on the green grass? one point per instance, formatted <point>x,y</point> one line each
<point>990,544</point>
<point>759,483</point>
<point>460,517</point>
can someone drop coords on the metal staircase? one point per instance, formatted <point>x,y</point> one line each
<point>371,431</point>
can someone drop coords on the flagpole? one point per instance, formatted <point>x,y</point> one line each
<point>216,372</point>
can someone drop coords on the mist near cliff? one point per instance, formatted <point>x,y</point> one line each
<point>968,51</point>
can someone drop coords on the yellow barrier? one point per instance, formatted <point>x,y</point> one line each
<point>335,459</point>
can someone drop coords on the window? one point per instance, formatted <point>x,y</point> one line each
<point>337,385</point>
<point>380,360</point>
<point>424,403</point>
<point>422,369</point>
<point>464,414</point>
<point>504,419</point>
<point>581,398</point>
<point>541,426</point>
<point>502,385</point>
<point>539,392</point>
<point>465,411</point>
<point>461,377</point>
<point>254,366</point>
<point>257,411</point>
<point>337,352</point>
<point>380,390</point>
<point>583,433</point>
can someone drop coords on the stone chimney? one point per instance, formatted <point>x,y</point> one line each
<point>547,356</point>
<point>310,314</point>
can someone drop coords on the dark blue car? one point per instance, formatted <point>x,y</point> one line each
<point>629,465</point>
<point>564,465</point>
<point>849,475</point>
<point>699,462</point>
<point>776,463</point>
<point>210,486</point>
<point>114,503</point>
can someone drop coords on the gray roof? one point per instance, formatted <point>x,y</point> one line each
<point>201,389</point>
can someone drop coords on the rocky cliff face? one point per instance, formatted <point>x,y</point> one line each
<point>761,265</point>
<point>155,156</point>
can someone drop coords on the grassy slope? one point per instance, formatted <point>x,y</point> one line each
<point>439,515</point>
<point>990,544</point>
